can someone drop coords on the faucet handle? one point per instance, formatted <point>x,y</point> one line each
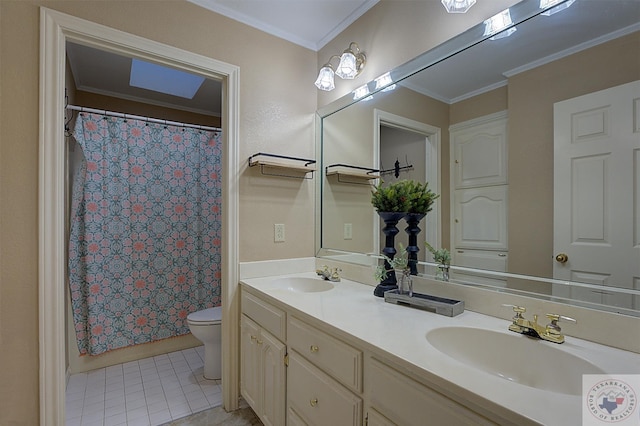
<point>556,317</point>
<point>519,310</point>
<point>335,274</point>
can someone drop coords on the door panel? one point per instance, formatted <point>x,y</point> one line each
<point>597,192</point>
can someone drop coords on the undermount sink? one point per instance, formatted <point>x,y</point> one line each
<point>303,284</point>
<point>514,357</point>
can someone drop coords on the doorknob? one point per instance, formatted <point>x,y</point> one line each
<point>561,257</point>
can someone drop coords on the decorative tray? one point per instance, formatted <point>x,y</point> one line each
<point>439,305</point>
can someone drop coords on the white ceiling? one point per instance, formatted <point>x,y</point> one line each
<point>308,23</point>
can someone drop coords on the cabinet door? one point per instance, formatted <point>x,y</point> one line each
<point>480,154</point>
<point>318,399</point>
<point>250,362</point>
<point>340,360</point>
<point>273,387</point>
<point>480,218</point>
<point>374,418</point>
<point>404,401</point>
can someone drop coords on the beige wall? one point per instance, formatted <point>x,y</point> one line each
<point>479,106</point>
<point>531,98</point>
<point>276,115</point>
<point>93,100</point>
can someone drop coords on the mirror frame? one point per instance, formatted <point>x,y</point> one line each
<point>520,12</point>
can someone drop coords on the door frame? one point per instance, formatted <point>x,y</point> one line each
<point>432,135</point>
<point>56,29</point>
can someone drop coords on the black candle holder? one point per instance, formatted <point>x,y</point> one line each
<point>390,230</point>
<point>413,220</point>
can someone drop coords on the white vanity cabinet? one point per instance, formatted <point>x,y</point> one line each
<point>315,398</point>
<point>323,378</point>
<point>329,378</point>
<point>263,370</point>
<point>396,399</point>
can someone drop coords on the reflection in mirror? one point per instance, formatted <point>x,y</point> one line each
<point>537,158</point>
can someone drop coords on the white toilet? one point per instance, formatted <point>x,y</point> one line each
<point>205,326</point>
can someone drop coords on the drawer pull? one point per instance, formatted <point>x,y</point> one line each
<point>313,402</point>
<point>253,338</point>
<point>314,348</point>
<point>259,341</point>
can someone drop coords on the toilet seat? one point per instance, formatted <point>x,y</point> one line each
<point>206,316</point>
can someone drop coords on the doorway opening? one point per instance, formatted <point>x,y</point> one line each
<point>416,147</point>
<point>56,30</point>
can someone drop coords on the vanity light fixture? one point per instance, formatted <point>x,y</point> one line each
<point>325,80</point>
<point>544,4</point>
<point>361,92</point>
<point>458,6</point>
<point>351,63</point>
<point>385,81</point>
<point>500,25</point>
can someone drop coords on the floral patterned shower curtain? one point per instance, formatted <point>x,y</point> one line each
<point>144,250</point>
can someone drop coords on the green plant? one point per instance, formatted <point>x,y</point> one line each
<point>421,198</point>
<point>399,261</point>
<point>391,198</point>
<point>441,256</point>
<point>403,196</point>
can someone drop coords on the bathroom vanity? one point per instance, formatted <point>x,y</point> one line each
<point>316,353</point>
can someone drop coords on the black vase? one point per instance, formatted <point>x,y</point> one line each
<point>390,219</point>
<point>413,220</point>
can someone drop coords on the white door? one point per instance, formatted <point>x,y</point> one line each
<point>597,193</point>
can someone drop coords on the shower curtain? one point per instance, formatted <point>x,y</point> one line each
<point>144,249</point>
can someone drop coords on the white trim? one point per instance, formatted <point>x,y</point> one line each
<point>55,29</point>
<point>489,118</point>
<point>433,233</point>
<point>315,45</point>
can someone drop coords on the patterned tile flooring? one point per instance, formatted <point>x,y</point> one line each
<point>148,392</point>
<point>217,416</point>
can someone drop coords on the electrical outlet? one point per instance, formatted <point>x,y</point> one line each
<point>348,231</point>
<point>278,232</point>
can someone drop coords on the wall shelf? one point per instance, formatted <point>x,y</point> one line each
<point>292,167</point>
<point>347,173</point>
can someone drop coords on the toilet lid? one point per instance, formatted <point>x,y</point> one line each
<point>206,315</point>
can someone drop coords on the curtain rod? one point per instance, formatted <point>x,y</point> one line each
<point>138,117</point>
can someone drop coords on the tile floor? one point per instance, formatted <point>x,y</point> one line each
<point>244,416</point>
<point>148,392</point>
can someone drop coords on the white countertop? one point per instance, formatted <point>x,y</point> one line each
<point>401,331</point>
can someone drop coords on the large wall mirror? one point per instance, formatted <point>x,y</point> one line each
<point>532,139</point>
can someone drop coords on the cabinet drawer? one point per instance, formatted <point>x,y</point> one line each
<point>333,356</point>
<point>268,316</point>
<point>404,401</point>
<point>317,398</point>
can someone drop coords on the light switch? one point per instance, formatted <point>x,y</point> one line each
<point>348,231</point>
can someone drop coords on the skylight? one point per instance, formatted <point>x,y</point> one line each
<point>164,80</point>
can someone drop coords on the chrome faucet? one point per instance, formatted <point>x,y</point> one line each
<point>551,332</point>
<point>329,274</point>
